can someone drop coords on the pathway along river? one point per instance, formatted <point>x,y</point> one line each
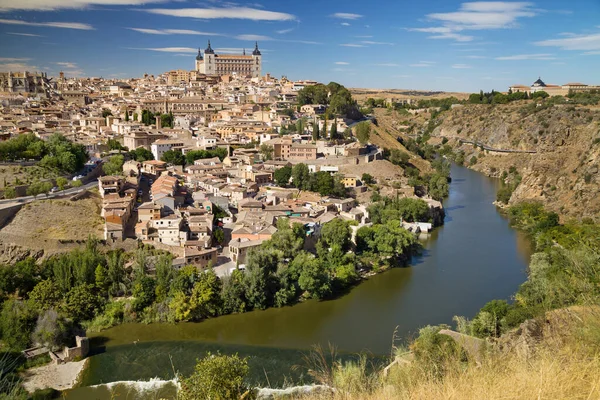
<point>475,257</point>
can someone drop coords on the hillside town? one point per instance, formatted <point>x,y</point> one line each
<point>200,164</point>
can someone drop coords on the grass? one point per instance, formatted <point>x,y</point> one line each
<point>565,364</point>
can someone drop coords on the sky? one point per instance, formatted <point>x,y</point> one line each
<point>441,45</point>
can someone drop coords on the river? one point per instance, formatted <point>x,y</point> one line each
<point>475,257</point>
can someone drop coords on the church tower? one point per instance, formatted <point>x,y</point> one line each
<point>210,65</point>
<point>199,60</point>
<point>256,62</point>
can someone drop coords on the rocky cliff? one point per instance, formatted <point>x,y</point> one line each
<point>563,171</point>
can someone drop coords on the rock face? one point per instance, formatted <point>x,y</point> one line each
<point>522,340</point>
<point>562,174</point>
<point>11,253</point>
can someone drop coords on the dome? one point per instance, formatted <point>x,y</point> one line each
<point>256,52</point>
<point>539,82</point>
<point>209,49</point>
<point>199,56</point>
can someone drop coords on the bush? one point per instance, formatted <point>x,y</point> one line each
<point>216,377</point>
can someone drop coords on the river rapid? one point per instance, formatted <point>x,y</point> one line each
<point>473,258</point>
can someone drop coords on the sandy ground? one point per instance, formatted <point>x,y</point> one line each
<point>59,377</point>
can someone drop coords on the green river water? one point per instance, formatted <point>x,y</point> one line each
<point>475,257</point>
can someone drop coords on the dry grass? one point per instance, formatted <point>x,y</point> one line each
<point>558,369</point>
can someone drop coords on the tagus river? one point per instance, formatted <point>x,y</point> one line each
<point>475,257</point>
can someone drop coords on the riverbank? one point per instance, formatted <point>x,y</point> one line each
<point>473,258</point>
<point>56,376</point>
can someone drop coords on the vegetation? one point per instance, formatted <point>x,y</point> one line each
<point>173,157</point>
<point>321,182</point>
<point>194,155</point>
<point>141,154</point>
<point>362,131</point>
<point>114,166</point>
<point>216,377</point>
<point>55,153</point>
<point>335,96</point>
<point>149,118</point>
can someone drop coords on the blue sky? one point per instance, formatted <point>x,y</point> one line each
<point>433,45</point>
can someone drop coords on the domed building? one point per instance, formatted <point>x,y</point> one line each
<point>227,64</point>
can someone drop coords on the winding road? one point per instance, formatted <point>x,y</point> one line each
<point>28,199</point>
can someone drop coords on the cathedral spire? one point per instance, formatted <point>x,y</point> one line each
<point>256,52</point>
<point>209,49</point>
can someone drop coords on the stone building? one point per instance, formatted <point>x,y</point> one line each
<point>23,82</point>
<point>214,64</point>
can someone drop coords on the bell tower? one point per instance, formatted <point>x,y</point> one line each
<point>199,60</point>
<point>256,62</point>
<point>209,61</point>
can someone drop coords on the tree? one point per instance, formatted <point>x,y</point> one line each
<point>399,157</point>
<point>51,330</point>
<point>62,182</point>
<point>45,295</point>
<point>126,115</point>
<point>205,300</point>
<point>362,131</point>
<point>10,193</point>
<point>216,377</point>
<point>367,179</point>
<point>300,176</point>
<point>540,95</point>
<point>282,175</point>
<point>82,303</point>
<point>39,188</point>
<point>314,280</point>
<point>333,133</point>
<point>266,151</point>
<point>173,157</point>
<point>17,321</point>
<point>141,154</point>
<point>219,236</point>
<point>77,183</point>
<point>234,293</point>
<point>114,166</point>
<point>315,131</point>
<point>336,232</point>
<point>167,120</point>
<point>106,112</point>
<point>144,292</point>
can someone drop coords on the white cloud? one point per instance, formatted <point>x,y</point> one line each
<point>371,42</point>
<point>49,5</point>
<point>68,65</point>
<point>461,66</point>
<point>543,56</point>
<point>174,32</point>
<point>341,63</point>
<point>283,31</point>
<point>346,16</point>
<point>345,24</point>
<point>591,53</point>
<point>352,45</point>
<point>224,13</point>
<point>11,59</point>
<point>423,64</point>
<point>476,57</point>
<point>23,34</point>
<point>253,38</point>
<point>386,65</point>
<point>477,15</point>
<point>65,25</point>
<point>169,49</point>
<point>578,42</point>
<point>364,36</point>
<point>17,66</point>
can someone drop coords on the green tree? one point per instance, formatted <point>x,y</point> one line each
<point>144,293</point>
<point>39,188</point>
<point>336,232</point>
<point>10,193</point>
<point>333,133</point>
<point>141,154</point>
<point>17,321</point>
<point>314,280</point>
<point>300,176</point>
<point>62,182</point>
<point>101,279</point>
<point>45,295</point>
<point>282,175</point>
<point>315,131</point>
<point>114,166</point>
<point>266,151</point>
<point>164,276</point>
<point>218,377</point>
<point>126,115</point>
<point>362,131</point>
<point>82,303</point>
<point>367,179</point>
<point>540,95</point>
<point>219,235</point>
<point>173,157</point>
<point>106,112</point>
<point>77,183</point>
<point>205,300</point>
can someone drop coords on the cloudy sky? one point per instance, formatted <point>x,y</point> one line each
<point>432,44</point>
